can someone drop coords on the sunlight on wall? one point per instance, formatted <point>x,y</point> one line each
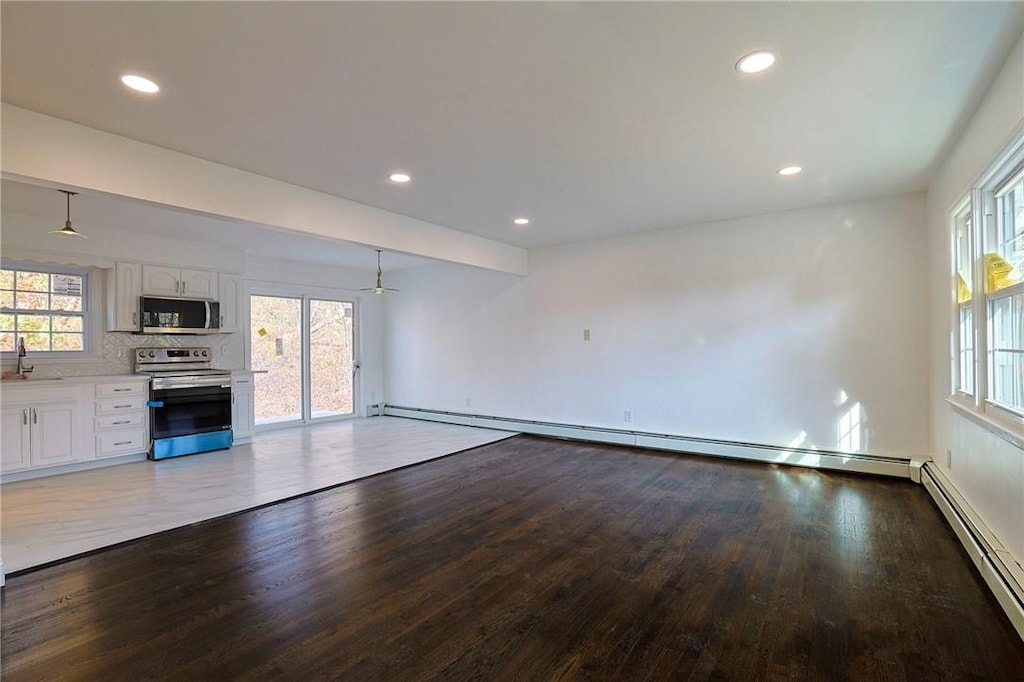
<point>801,458</point>
<point>849,429</point>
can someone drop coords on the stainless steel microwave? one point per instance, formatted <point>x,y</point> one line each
<point>178,316</point>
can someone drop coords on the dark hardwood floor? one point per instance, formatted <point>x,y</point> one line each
<point>532,559</point>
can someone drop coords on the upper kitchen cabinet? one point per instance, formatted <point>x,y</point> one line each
<point>124,286</point>
<point>230,297</point>
<point>158,280</point>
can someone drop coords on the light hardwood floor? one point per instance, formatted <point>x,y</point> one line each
<point>52,518</point>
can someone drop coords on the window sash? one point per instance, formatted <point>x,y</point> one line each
<point>18,312</point>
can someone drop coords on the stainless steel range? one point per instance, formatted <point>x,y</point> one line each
<point>190,403</point>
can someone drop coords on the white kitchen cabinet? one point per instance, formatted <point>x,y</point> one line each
<point>160,280</point>
<point>243,396</point>
<point>53,431</point>
<point>230,298</point>
<point>199,284</point>
<point>124,286</point>
<point>121,424</point>
<point>40,428</point>
<point>15,440</point>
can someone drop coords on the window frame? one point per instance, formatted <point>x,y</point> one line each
<point>983,201</point>
<point>92,323</point>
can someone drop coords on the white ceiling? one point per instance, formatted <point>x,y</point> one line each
<point>591,118</point>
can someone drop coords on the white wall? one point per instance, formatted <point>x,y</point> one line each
<point>988,470</point>
<point>744,330</point>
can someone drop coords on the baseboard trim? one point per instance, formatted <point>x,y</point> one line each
<point>771,454</point>
<point>29,474</point>
<point>997,567</point>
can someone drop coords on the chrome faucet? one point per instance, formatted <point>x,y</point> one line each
<point>23,369</point>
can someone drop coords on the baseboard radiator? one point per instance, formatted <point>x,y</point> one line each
<point>806,457</point>
<point>1000,571</point>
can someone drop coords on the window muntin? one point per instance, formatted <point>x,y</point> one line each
<point>46,308</point>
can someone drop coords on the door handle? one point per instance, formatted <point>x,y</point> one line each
<point>135,318</point>
<point>35,416</point>
<point>24,417</point>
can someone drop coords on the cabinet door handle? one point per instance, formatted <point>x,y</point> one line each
<point>121,407</point>
<point>35,416</point>
<point>135,318</point>
<point>121,390</point>
<point>123,422</point>
<point>124,442</point>
<point>232,399</point>
<point>24,417</point>
<point>222,320</point>
<point>177,286</point>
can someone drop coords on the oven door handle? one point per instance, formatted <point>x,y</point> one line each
<point>155,403</point>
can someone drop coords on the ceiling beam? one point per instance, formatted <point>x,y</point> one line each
<point>43,149</point>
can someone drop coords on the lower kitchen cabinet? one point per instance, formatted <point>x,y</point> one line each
<point>243,395</point>
<point>40,428</point>
<point>47,424</point>
<point>121,425</point>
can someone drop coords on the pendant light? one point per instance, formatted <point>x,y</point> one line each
<point>67,230</point>
<point>380,288</point>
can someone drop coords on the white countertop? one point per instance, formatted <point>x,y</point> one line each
<point>63,381</point>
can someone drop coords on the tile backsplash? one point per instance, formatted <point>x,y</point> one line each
<point>118,355</point>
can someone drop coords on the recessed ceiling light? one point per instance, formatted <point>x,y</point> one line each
<point>521,221</point>
<point>755,62</point>
<point>139,83</point>
<point>400,177</point>
<point>789,170</point>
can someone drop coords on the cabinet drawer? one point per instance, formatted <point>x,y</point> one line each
<point>120,405</point>
<point>118,390</point>
<point>121,421</point>
<point>117,442</point>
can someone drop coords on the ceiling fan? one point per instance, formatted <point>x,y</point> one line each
<point>380,288</point>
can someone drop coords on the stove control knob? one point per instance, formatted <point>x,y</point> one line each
<point>195,353</point>
<point>152,354</point>
<point>142,353</point>
<point>205,353</point>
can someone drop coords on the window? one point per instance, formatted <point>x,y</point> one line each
<point>1004,273</point>
<point>963,374</point>
<point>45,307</point>
<point>987,249</point>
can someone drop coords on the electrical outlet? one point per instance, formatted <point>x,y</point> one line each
<point>627,416</point>
<point>586,335</point>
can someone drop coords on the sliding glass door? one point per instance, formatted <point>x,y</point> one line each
<point>331,360</point>
<point>303,349</point>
